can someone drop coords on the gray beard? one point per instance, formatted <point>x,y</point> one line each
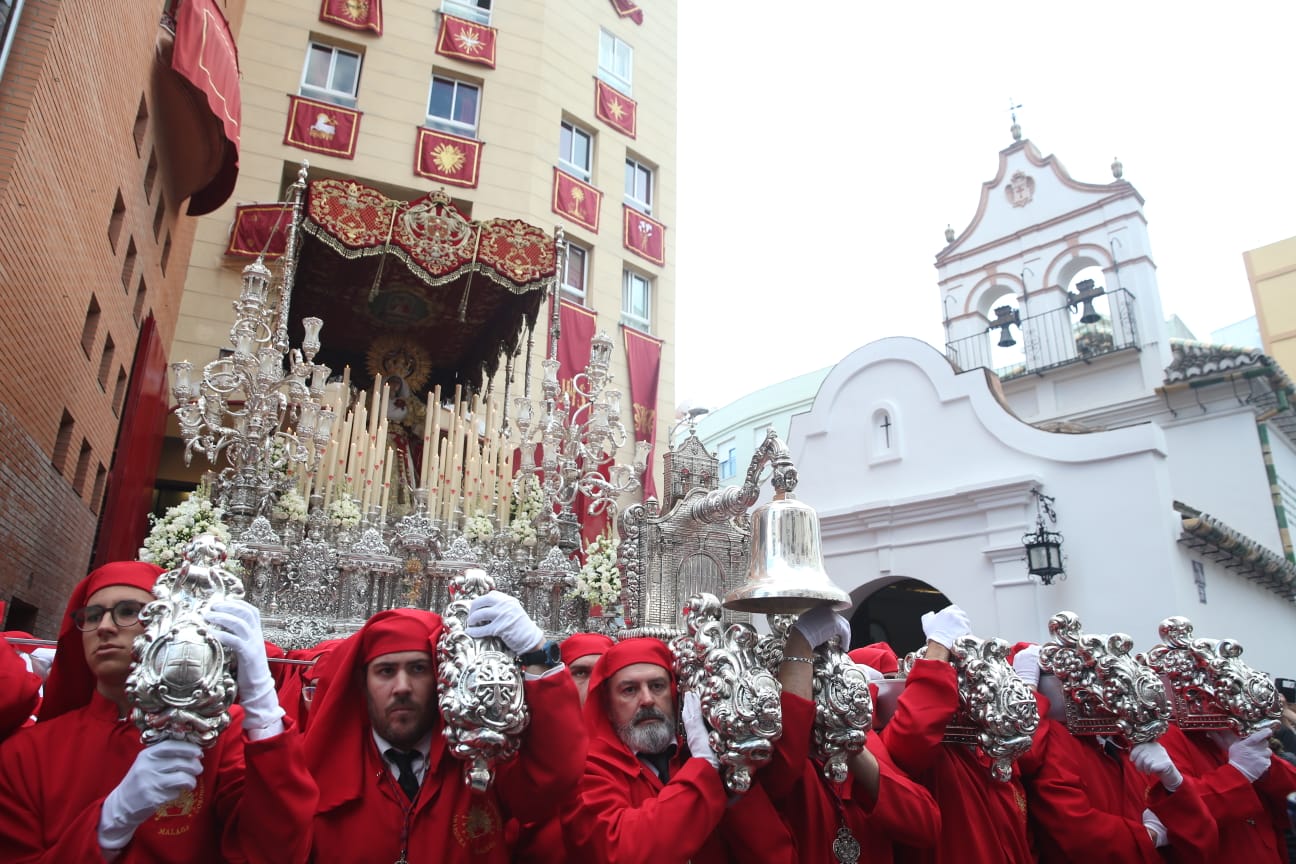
<point>653,737</point>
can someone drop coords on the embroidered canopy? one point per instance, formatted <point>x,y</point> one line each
<point>461,289</point>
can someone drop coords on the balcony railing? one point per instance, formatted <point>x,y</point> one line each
<point>1051,339</point>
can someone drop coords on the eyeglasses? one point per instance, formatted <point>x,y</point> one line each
<point>125,613</point>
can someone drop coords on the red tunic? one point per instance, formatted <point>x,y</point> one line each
<point>448,822</point>
<point>19,690</point>
<point>253,801</point>
<point>1088,806</point>
<point>983,820</point>
<point>1251,816</point>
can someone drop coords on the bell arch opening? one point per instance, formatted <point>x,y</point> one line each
<point>893,614</point>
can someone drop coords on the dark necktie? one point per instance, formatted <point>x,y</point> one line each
<point>1112,749</point>
<point>404,761</point>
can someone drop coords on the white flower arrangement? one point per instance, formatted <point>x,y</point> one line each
<point>344,511</point>
<point>599,580</point>
<point>529,500</point>
<point>479,528</point>
<point>169,535</point>
<point>523,531</point>
<point>291,507</point>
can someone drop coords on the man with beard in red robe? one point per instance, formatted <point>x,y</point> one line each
<point>390,790</point>
<point>983,820</point>
<point>1088,801</point>
<point>80,786</point>
<point>643,800</point>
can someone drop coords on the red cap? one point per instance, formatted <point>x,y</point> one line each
<point>71,683</point>
<point>582,645</point>
<point>879,655</point>
<point>339,729</point>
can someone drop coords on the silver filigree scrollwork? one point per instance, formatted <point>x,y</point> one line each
<point>843,710</point>
<point>181,686</point>
<point>1106,691</point>
<point>1212,687</point>
<point>997,712</point>
<point>739,696</point>
<point>479,689</point>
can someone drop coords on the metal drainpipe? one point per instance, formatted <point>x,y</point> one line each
<point>15,13</point>
<point>1280,512</point>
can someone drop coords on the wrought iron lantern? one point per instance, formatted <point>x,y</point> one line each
<point>1005,317</point>
<point>1044,547</point>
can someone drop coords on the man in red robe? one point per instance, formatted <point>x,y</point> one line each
<point>878,806</point>
<point>643,799</point>
<point>390,790</point>
<point>983,820</point>
<point>580,653</point>
<point>543,843</point>
<point>80,786</point>
<point>1088,802</point>
<point>19,690</point>
<point>1243,785</point>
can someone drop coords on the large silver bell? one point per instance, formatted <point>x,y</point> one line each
<point>786,575</point>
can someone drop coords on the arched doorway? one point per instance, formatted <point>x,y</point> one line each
<point>893,614</point>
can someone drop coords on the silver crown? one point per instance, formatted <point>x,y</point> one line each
<point>1107,692</point>
<point>1212,687</point>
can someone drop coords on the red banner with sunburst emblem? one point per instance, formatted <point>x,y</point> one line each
<point>644,236</point>
<point>643,358</point>
<point>628,9</point>
<point>448,158</point>
<point>467,41</point>
<point>615,108</point>
<point>577,201</point>
<point>259,229</point>
<point>353,14</point>
<point>321,127</point>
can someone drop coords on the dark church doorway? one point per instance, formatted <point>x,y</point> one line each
<point>893,614</point>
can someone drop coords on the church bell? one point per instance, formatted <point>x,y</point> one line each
<point>786,574</point>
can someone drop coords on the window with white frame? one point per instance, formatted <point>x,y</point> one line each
<point>638,186</point>
<point>729,467</point>
<point>575,151</point>
<point>616,62</point>
<point>575,273</point>
<point>453,106</point>
<point>469,10</point>
<point>332,74</point>
<point>636,300</point>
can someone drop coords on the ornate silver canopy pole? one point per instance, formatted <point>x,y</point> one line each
<point>1212,687</point>
<point>997,712</point>
<point>1105,690</point>
<point>739,696</point>
<point>181,687</point>
<point>479,689</point>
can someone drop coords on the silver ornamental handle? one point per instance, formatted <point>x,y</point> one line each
<point>181,686</point>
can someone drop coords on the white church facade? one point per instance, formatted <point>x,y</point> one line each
<point>1168,463</point>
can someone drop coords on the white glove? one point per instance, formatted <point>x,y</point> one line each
<point>158,774</point>
<point>873,675</point>
<point>1249,755</point>
<point>41,660</point>
<point>695,730</point>
<point>945,626</point>
<point>237,626</point>
<point>499,615</point>
<point>820,624</point>
<point>1156,828</point>
<point>1026,665</point>
<point>1152,758</point>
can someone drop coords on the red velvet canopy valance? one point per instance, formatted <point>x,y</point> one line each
<point>462,290</point>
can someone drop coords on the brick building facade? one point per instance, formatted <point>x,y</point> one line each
<point>93,246</point>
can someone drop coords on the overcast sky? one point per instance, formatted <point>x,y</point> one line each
<point>868,127</point>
